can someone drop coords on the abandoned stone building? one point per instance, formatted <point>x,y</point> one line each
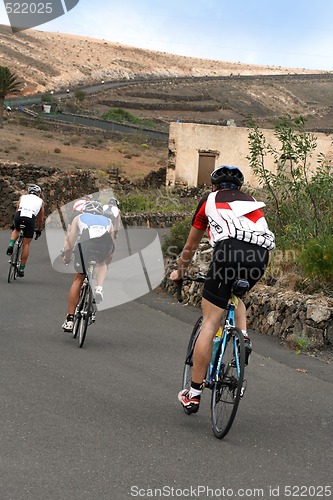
<point>195,150</point>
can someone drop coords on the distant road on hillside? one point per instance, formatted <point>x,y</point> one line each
<point>99,87</point>
<point>106,125</point>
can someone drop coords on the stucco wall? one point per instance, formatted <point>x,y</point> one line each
<point>187,140</point>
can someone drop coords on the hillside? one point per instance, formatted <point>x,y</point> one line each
<point>46,61</point>
<point>217,100</point>
<point>196,90</point>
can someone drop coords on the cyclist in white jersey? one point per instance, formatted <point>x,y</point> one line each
<point>94,231</point>
<point>30,208</point>
<point>111,210</point>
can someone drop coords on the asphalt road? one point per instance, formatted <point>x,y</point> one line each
<point>103,422</point>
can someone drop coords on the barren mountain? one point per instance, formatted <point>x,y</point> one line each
<point>45,61</point>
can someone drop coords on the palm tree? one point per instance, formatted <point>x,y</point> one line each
<point>9,84</point>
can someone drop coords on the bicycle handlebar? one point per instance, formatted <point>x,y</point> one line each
<point>199,278</point>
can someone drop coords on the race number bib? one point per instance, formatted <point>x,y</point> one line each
<point>26,212</point>
<point>97,231</point>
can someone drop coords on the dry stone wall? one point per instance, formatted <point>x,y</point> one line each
<point>291,316</point>
<point>58,187</point>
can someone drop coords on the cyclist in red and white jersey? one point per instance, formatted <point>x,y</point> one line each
<point>30,208</point>
<point>241,239</point>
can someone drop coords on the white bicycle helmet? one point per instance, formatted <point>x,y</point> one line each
<point>34,189</point>
<point>113,202</point>
<point>93,207</point>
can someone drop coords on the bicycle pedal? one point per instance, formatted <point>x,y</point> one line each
<point>206,383</point>
<point>243,389</point>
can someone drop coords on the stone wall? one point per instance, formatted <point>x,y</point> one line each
<point>58,187</point>
<point>151,219</point>
<point>291,316</point>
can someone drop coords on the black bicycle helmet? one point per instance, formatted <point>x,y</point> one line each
<point>34,189</point>
<point>224,173</point>
<point>93,207</point>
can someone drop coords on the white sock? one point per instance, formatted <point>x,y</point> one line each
<point>194,392</point>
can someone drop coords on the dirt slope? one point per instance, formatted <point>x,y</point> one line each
<point>46,61</point>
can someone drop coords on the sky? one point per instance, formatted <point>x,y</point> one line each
<point>293,33</point>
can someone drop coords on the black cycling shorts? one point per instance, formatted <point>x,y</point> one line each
<point>103,245</point>
<point>29,223</point>
<point>233,259</point>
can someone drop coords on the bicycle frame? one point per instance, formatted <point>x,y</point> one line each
<point>225,373</point>
<point>215,364</point>
<point>85,311</point>
<point>15,259</point>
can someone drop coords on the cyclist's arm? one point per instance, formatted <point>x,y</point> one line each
<point>70,239</point>
<point>187,253</point>
<point>40,218</point>
<point>116,226</point>
<point>18,204</point>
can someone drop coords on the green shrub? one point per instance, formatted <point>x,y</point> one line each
<point>173,243</point>
<point>299,203</point>
<point>120,115</point>
<point>80,95</point>
<point>137,203</point>
<point>316,258</point>
<point>47,98</point>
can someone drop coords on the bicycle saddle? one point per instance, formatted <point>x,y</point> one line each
<point>240,287</point>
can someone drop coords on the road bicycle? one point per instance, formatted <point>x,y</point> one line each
<point>225,374</point>
<point>85,311</point>
<point>15,258</point>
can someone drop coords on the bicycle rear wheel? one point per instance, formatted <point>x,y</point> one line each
<point>85,315</point>
<point>187,372</point>
<point>15,261</point>
<point>226,392</point>
<point>18,257</point>
<point>78,310</point>
<point>11,271</point>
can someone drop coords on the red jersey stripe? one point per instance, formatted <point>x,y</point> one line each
<point>255,215</point>
<point>222,205</point>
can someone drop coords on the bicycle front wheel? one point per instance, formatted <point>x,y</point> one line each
<point>187,372</point>
<point>227,391</point>
<point>85,315</point>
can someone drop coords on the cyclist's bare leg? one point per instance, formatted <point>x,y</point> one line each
<point>15,234</point>
<point>101,270</point>
<point>212,316</point>
<point>25,250</point>
<point>74,292</point>
<point>240,315</point>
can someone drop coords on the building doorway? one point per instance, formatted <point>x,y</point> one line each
<point>207,162</point>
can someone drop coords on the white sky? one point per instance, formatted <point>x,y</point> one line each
<point>293,33</point>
